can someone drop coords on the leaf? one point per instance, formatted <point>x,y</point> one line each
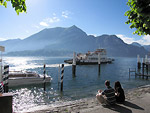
<point>5,4</point>
<point>137,17</point>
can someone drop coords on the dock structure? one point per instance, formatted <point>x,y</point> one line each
<point>132,71</point>
<point>143,68</point>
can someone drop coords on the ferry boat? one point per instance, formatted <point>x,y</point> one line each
<point>90,58</point>
<point>19,78</point>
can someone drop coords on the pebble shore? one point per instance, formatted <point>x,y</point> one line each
<point>137,100</point>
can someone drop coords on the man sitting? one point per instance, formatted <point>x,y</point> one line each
<point>108,95</point>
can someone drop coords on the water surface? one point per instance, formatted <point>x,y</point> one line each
<point>84,85</point>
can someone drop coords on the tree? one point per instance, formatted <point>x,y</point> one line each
<point>139,16</point>
<point>19,5</point>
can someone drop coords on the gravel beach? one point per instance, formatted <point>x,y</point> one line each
<point>137,101</point>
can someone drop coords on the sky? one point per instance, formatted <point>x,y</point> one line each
<point>95,17</point>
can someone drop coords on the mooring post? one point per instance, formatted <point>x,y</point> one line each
<point>62,76</point>
<point>2,49</point>
<point>74,65</point>
<point>143,66</point>
<point>5,78</point>
<point>129,72</point>
<point>58,76</point>
<point>138,62</point>
<point>99,63</point>
<point>146,64</point>
<point>44,71</point>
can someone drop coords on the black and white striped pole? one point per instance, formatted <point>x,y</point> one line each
<point>2,49</point>
<point>74,65</point>
<point>58,76</point>
<point>1,88</point>
<point>5,78</point>
<point>99,63</point>
<point>62,76</point>
<point>44,71</point>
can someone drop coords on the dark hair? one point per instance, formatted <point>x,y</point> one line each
<point>107,83</point>
<point>117,85</point>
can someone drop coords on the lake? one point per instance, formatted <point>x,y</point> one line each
<point>84,85</point>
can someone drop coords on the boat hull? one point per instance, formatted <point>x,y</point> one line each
<point>19,81</point>
<point>86,62</point>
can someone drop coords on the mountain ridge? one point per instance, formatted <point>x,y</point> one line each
<point>71,39</point>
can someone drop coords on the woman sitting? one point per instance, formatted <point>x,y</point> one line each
<point>119,92</point>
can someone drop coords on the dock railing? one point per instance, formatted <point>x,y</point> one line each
<point>131,71</point>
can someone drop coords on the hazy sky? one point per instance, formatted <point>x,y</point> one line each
<point>95,17</point>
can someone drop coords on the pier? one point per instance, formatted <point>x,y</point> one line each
<point>142,68</point>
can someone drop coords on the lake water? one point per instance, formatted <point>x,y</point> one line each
<point>84,85</point>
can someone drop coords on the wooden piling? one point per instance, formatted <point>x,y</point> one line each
<point>44,71</point>
<point>58,76</point>
<point>62,76</point>
<point>99,63</point>
<point>74,65</point>
<point>146,64</point>
<point>143,66</point>
<point>129,72</point>
<point>73,70</point>
<point>138,62</point>
<point>147,69</point>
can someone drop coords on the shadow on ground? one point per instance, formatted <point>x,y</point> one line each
<point>129,104</point>
<point>122,108</point>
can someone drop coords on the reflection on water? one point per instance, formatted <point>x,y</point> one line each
<point>24,63</point>
<point>26,98</point>
<point>85,84</point>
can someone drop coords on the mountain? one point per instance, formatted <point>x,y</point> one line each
<point>116,47</point>
<point>147,47</point>
<point>136,44</point>
<point>41,52</point>
<point>10,44</point>
<point>63,41</point>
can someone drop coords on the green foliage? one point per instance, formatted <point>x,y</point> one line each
<point>139,16</point>
<point>19,5</point>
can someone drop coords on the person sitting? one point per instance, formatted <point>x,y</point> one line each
<point>108,95</point>
<point>119,92</point>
